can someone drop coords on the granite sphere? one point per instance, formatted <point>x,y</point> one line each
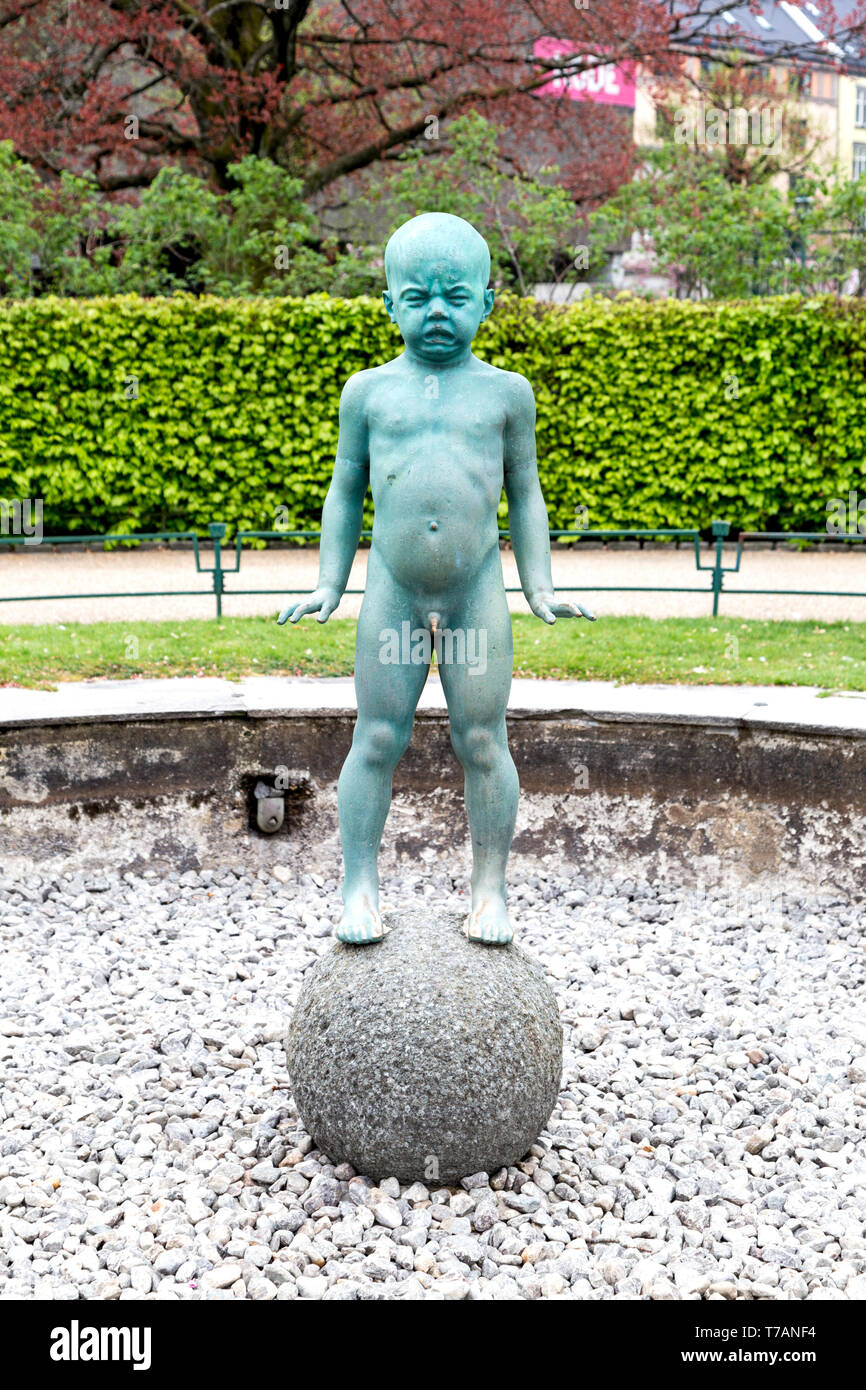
<point>425,1056</point>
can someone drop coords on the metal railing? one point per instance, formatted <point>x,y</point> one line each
<point>219,569</point>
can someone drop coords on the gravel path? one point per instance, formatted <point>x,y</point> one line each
<point>32,570</point>
<point>708,1141</point>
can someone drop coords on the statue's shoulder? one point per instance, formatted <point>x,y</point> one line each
<point>357,385</point>
<point>511,382</point>
<point>516,389</point>
<point>360,385</point>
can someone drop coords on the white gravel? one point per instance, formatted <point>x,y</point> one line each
<point>707,1144</point>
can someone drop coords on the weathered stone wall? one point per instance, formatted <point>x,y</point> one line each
<point>708,802</point>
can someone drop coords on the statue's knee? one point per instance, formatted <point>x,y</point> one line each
<point>382,743</point>
<point>477,748</point>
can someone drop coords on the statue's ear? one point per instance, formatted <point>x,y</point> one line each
<point>489,296</point>
<point>388,300</point>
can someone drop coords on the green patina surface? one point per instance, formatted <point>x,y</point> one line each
<point>435,434</point>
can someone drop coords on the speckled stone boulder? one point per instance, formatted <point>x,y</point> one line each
<point>425,1056</point>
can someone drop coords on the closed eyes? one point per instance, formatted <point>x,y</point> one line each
<point>416,301</point>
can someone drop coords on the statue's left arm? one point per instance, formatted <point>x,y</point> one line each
<point>527,514</point>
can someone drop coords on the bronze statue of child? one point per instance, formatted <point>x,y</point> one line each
<point>435,433</point>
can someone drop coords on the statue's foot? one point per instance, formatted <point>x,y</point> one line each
<point>360,922</point>
<point>489,922</point>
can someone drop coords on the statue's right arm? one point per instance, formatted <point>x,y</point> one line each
<point>343,510</point>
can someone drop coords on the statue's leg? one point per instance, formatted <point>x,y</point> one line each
<point>388,689</point>
<point>477,693</point>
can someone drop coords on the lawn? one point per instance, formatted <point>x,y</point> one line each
<point>691,651</point>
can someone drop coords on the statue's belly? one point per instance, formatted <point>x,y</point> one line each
<point>430,540</point>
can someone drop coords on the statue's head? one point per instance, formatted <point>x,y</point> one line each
<point>438,268</point>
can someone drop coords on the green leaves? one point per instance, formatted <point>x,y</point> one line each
<point>237,407</point>
<point>261,238</point>
<point>714,236</point>
<point>529,223</point>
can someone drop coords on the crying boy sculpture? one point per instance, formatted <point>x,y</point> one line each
<point>436,433</point>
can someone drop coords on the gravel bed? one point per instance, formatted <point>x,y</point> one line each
<point>707,1143</point>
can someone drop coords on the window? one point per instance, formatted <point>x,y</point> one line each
<point>824,86</point>
<point>860,117</point>
<point>799,84</point>
<point>859,165</point>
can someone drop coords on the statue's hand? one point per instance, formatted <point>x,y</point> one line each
<point>323,602</point>
<point>548,607</point>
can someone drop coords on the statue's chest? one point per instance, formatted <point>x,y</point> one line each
<point>466,420</point>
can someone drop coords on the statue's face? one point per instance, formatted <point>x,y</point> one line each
<point>437,302</point>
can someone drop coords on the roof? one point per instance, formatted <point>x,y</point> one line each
<point>784,31</point>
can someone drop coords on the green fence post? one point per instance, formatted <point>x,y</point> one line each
<point>217,531</point>
<point>720,530</point>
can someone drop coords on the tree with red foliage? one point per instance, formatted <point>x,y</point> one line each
<point>324,87</point>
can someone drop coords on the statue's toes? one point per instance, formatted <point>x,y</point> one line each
<point>360,928</point>
<point>489,926</point>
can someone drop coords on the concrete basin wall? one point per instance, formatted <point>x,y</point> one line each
<point>708,785</point>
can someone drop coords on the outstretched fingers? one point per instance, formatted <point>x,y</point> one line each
<point>294,611</point>
<point>573,610</point>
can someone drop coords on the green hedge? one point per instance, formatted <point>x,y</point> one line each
<point>649,413</point>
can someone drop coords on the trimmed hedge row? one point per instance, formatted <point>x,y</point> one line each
<point>133,414</point>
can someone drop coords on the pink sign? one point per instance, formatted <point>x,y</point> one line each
<point>613,83</point>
